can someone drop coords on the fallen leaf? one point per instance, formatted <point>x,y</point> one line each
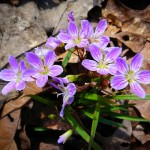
<point>140,135</point>
<point>133,41</point>
<point>8,127</point>
<point>114,7</point>
<point>15,104</point>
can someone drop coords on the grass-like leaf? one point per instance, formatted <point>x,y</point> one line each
<point>77,127</point>
<point>130,97</point>
<point>41,99</point>
<point>112,108</point>
<point>127,117</point>
<point>95,97</point>
<point>66,59</point>
<point>105,121</point>
<point>111,123</point>
<point>95,121</point>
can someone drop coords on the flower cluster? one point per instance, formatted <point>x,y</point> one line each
<point>103,59</point>
<point>131,75</point>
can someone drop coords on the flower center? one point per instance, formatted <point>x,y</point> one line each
<point>18,77</point>
<point>77,41</point>
<point>131,76</point>
<point>102,65</point>
<point>45,70</point>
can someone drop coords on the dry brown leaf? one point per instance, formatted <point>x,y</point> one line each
<point>24,140</point>
<point>123,13</point>
<point>133,41</point>
<point>140,135</point>
<point>13,145</point>
<point>137,26</point>
<point>146,54</point>
<point>8,126</point>
<point>143,107</point>
<point>15,104</point>
<point>129,26</point>
<point>111,30</point>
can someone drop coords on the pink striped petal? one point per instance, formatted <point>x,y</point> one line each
<point>13,63</point>
<point>55,70</point>
<point>20,85</point>
<point>101,27</point>
<point>64,37</point>
<point>71,88</point>
<point>73,29</point>
<point>22,66</point>
<point>112,69</point>
<point>34,60</point>
<point>8,88</point>
<point>113,54</point>
<point>7,75</point>
<point>122,65</point>
<point>50,58</point>
<point>27,75</point>
<point>103,41</point>
<point>90,64</point>
<point>40,82</point>
<point>136,62</point>
<point>144,77</point>
<point>137,89</point>
<point>52,43</point>
<point>95,52</point>
<point>70,100</point>
<point>102,71</point>
<point>71,44</point>
<point>86,29</point>
<point>119,82</point>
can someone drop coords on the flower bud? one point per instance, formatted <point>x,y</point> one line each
<point>65,136</point>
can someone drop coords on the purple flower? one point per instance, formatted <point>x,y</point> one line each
<point>65,136</point>
<point>64,80</point>
<point>43,68</point>
<point>41,52</point>
<point>73,37</point>
<point>52,43</point>
<point>68,93</point>
<point>131,75</point>
<point>96,37</point>
<point>14,76</point>
<point>70,16</point>
<point>104,62</point>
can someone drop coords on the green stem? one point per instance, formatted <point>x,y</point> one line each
<point>94,124</point>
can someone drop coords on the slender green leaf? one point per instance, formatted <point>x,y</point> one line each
<point>66,59</point>
<point>105,121</point>
<point>95,97</point>
<point>130,97</point>
<point>114,108</point>
<point>94,124</point>
<point>80,130</point>
<point>127,117</point>
<point>40,99</point>
<point>110,122</point>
